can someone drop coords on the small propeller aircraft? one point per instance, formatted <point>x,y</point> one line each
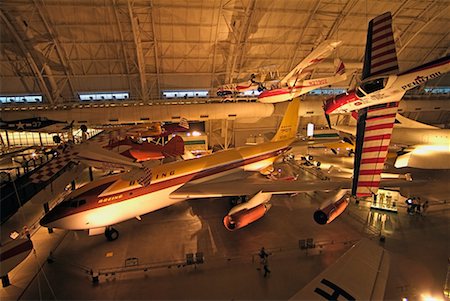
<point>114,150</point>
<point>294,83</point>
<point>36,124</point>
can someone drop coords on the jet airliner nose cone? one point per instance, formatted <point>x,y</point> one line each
<point>47,219</point>
<point>44,221</point>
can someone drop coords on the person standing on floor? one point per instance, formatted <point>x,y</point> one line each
<point>263,255</point>
<point>266,268</point>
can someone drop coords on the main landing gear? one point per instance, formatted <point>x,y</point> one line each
<point>111,233</point>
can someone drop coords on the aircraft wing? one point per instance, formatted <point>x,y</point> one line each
<point>373,136</point>
<point>317,55</point>
<point>250,186</point>
<point>253,186</point>
<point>105,137</point>
<point>360,274</point>
<point>65,154</point>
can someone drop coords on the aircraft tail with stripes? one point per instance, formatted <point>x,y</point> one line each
<point>380,57</point>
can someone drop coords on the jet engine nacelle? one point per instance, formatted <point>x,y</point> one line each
<point>330,211</point>
<point>248,212</point>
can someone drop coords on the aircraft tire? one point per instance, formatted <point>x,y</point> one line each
<point>111,234</point>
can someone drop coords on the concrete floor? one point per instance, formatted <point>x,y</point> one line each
<point>419,247</point>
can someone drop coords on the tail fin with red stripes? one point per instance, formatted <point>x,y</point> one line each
<point>380,56</point>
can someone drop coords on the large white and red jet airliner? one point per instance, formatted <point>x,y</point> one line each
<point>111,200</point>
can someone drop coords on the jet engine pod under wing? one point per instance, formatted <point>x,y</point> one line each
<point>330,210</point>
<point>248,212</point>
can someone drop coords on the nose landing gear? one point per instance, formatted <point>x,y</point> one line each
<point>111,233</point>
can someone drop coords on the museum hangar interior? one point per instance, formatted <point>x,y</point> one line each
<point>106,105</point>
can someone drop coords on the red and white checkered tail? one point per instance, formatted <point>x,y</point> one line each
<point>374,130</point>
<point>146,179</point>
<point>50,168</point>
<point>380,56</point>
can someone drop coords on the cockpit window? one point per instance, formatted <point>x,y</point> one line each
<point>373,85</point>
<point>73,203</point>
<point>359,93</point>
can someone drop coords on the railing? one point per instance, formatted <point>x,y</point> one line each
<point>133,264</point>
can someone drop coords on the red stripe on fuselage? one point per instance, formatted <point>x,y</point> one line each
<point>334,103</point>
<point>23,247</point>
<point>274,92</point>
<point>92,198</point>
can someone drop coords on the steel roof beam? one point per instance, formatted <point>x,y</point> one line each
<point>300,38</point>
<point>29,58</point>
<point>155,49</point>
<point>139,52</point>
<point>213,71</point>
<point>59,50</point>
<point>122,42</point>
<point>418,20</point>
<point>241,40</point>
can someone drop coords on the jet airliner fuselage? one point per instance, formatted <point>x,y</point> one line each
<point>113,200</point>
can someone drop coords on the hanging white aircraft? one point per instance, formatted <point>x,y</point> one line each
<point>111,200</point>
<point>294,83</point>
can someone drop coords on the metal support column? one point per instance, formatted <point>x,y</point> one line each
<point>46,210</point>
<point>91,175</point>
<point>7,138</point>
